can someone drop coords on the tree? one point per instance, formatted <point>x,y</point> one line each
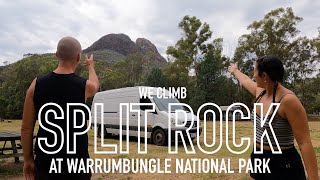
<point>176,74</point>
<point>133,66</point>
<point>210,71</point>
<point>193,43</point>
<point>131,69</point>
<point>18,79</point>
<point>311,94</point>
<point>277,34</point>
<point>156,78</point>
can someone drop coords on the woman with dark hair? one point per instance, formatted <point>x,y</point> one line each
<point>289,122</point>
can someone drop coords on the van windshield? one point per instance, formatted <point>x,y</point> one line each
<point>163,104</point>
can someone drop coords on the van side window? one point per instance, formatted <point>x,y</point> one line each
<point>145,100</point>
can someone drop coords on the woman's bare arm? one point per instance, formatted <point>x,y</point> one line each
<point>244,80</point>
<point>297,117</point>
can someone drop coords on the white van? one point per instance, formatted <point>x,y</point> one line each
<point>157,124</point>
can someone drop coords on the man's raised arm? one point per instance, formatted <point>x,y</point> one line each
<point>92,85</point>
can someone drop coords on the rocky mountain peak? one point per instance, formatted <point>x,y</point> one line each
<point>145,45</point>
<point>122,44</point>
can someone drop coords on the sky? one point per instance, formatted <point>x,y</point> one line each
<point>36,26</point>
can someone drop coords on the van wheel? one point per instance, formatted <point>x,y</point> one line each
<point>99,132</point>
<point>159,137</point>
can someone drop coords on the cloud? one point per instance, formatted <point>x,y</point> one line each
<point>36,26</point>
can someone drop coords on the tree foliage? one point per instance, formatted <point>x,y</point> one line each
<point>157,78</point>
<point>192,44</point>
<point>277,34</point>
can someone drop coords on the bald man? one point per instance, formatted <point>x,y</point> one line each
<point>60,86</point>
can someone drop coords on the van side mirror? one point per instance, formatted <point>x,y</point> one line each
<point>144,107</point>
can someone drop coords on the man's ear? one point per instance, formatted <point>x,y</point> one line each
<point>57,55</point>
<point>78,57</point>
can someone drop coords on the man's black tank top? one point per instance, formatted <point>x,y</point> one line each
<point>60,89</point>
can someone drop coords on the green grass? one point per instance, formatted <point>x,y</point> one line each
<point>9,169</point>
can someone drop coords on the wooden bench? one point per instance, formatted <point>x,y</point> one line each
<point>12,137</point>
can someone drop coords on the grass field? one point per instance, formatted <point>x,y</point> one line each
<point>11,170</point>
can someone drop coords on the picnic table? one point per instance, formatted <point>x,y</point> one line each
<point>12,137</point>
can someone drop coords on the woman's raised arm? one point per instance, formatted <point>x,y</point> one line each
<point>244,80</point>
